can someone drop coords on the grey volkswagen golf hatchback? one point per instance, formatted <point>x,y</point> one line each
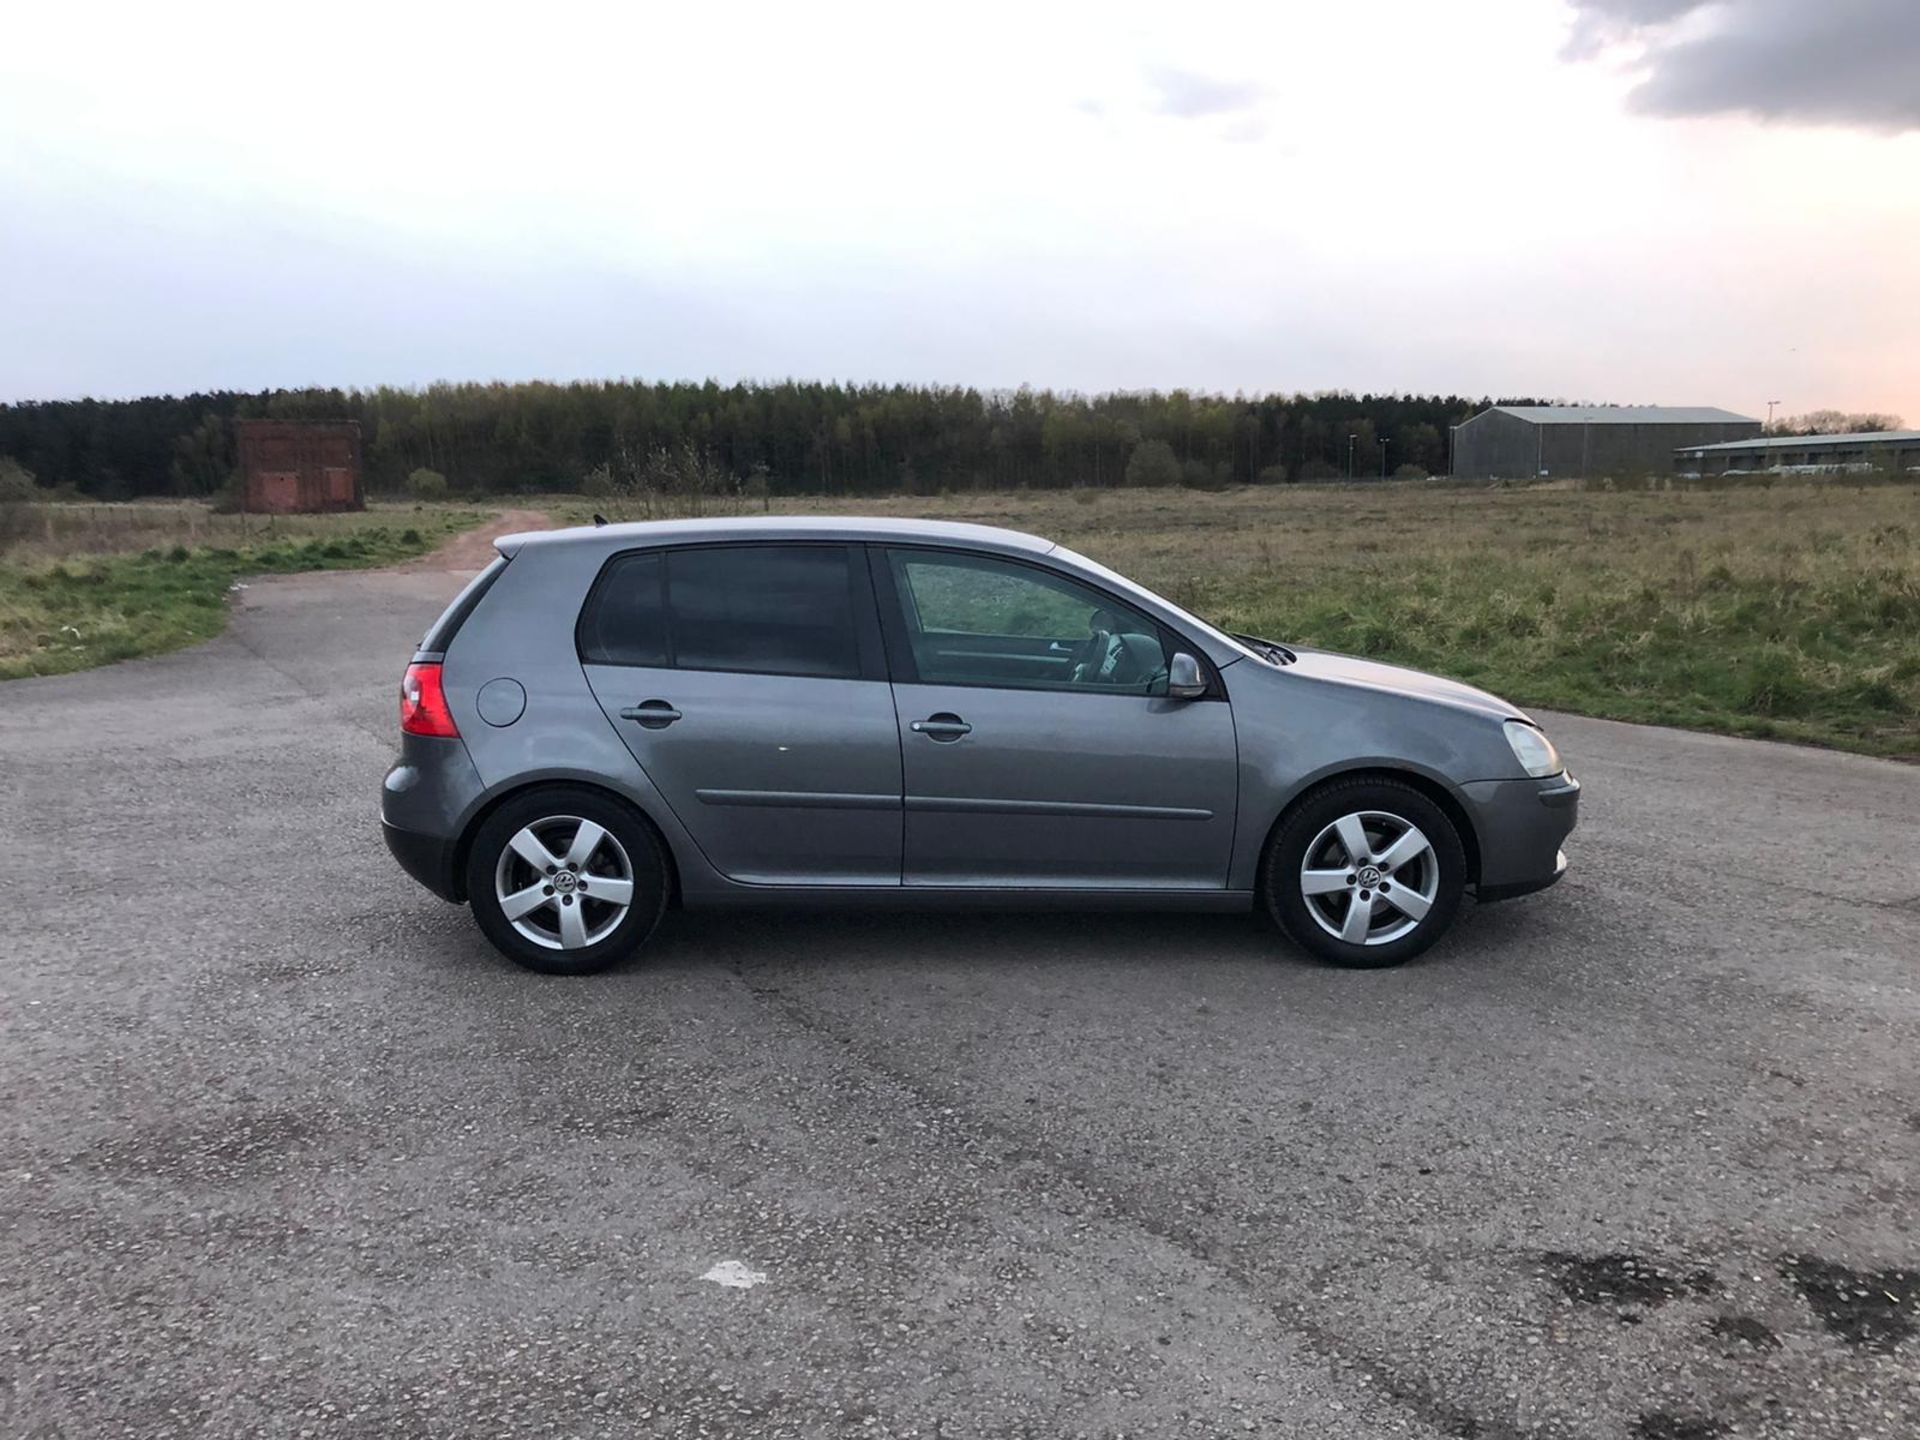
<point>802,710</point>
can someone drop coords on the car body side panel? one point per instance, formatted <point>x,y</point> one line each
<point>1053,787</point>
<point>939,898</point>
<point>522,630</point>
<point>780,779</point>
<point>1298,730</point>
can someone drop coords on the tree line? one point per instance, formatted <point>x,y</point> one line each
<point>1834,422</point>
<point>790,437</point>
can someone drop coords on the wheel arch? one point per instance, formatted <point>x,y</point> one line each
<point>463,847</point>
<point>1433,789</point>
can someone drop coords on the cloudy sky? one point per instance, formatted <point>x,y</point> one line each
<point>1627,200</point>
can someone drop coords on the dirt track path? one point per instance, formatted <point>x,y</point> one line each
<point>473,549</point>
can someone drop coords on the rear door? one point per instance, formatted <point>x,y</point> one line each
<point>748,681</point>
<point>1039,746</point>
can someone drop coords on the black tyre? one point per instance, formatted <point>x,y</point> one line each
<point>1365,873</point>
<point>566,880</point>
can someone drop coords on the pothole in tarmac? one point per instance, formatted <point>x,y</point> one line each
<point>1872,1309</point>
<point>1621,1278</point>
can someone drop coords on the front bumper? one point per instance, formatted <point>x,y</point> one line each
<point>1487,894</point>
<point>1521,826</point>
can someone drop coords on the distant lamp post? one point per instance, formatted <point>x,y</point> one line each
<point>1770,405</point>
<point>1350,440</point>
<point>1383,459</point>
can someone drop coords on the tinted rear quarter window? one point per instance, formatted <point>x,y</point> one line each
<point>762,609</point>
<point>626,619</point>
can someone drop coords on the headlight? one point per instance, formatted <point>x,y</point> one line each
<point>1533,750</point>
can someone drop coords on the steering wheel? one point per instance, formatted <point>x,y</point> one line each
<point>1095,658</point>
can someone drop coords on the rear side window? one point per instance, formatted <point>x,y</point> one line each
<point>762,609</point>
<point>626,619</point>
<point>440,636</point>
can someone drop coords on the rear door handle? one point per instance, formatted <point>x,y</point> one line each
<point>653,714</point>
<point>944,727</point>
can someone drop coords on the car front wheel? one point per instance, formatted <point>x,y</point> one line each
<point>1365,873</point>
<point>566,881</point>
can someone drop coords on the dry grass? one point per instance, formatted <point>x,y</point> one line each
<point>95,583</point>
<point>1789,610</point>
<point>1785,610</point>
<point>63,531</point>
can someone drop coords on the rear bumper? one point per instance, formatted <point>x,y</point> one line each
<point>425,804</point>
<point>427,858</point>
<point>1521,826</point>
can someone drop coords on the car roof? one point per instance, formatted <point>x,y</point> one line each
<point>604,538</point>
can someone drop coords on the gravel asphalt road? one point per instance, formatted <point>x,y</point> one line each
<point>285,1149</point>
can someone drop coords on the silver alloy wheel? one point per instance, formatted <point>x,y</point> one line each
<point>563,882</point>
<point>1370,878</point>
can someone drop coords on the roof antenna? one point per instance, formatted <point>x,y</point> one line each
<point>598,519</point>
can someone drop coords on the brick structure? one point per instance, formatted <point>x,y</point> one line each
<point>290,466</point>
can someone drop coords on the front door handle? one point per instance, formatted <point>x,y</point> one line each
<point>652,714</point>
<point>944,727</point>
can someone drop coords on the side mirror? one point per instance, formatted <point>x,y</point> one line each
<point>1185,679</point>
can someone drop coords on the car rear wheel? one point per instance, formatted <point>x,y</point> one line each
<point>566,881</point>
<point>1365,873</point>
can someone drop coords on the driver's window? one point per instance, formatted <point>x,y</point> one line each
<point>973,621</point>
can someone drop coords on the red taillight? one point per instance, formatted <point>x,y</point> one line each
<point>423,704</point>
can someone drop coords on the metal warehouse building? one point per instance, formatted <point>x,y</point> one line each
<point>1896,450</point>
<point>1518,442</point>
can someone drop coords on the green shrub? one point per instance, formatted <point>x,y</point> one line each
<point>425,484</point>
<point>227,499</point>
<point>17,489</point>
<point>16,482</point>
<point>1199,475</point>
<point>1153,464</point>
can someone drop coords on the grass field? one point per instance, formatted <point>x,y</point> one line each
<point>90,584</point>
<point>1788,610</point>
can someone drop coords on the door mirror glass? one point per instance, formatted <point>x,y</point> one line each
<point>1185,679</point>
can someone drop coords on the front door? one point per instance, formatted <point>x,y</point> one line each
<point>1038,744</point>
<point>747,681</point>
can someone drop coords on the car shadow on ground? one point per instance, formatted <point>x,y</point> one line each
<point>849,942</point>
